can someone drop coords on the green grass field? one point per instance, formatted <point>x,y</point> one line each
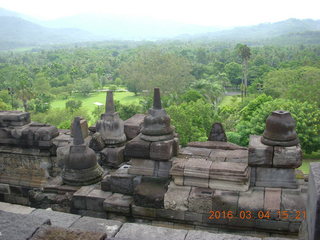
<point>88,101</point>
<point>228,100</point>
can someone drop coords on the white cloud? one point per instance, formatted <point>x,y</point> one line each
<point>204,12</point>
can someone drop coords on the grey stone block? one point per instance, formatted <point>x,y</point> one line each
<point>202,235</point>
<point>95,199</point>
<point>287,157</point>
<point>272,199</point>
<point>121,181</point>
<point>94,214</point>
<point>19,226</point>
<point>112,157</point>
<point>236,156</point>
<point>162,150</point>
<point>196,172</point>
<point>169,214</point>
<point>225,201</point>
<point>216,145</point>
<point>48,232</point>
<point>193,217</point>
<point>259,153</point>
<point>200,200</point>
<point>13,208</point>
<point>137,148</point>
<point>118,203</point>
<point>143,167</point>
<point>133,125</point>
<point>106,183</point>
<point>138,211</point>
<point>4,188</point>
<point>176,198</point>
<point>162,169</point>
<point>275,177</point>
<point>313,203</point>
<point>251,200</point>
<point>145,232</point>
<point>58,219</point>
<point>268,224</point>
<point>293,200</point>
<point>110,227</point>
<point>79,197</point>
<point>195,152</point>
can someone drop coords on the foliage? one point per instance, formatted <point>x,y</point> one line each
<point>73,105</point>
<point>302,84</point>
<point>151,68</point>
<point>192,120</point>
<point>306,115</point>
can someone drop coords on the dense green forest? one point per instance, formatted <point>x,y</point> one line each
<point>194,78</point>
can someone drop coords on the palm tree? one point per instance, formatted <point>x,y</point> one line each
<point>245,54</point>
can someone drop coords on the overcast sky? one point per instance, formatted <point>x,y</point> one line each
<point>203,12</point>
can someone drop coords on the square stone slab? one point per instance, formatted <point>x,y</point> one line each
<point>176,198</point>
<point>162,150</point>
<point>197,168</point>
<point>79,197</point>
<point>195,152</point>
<point>119,203</point>
<point>137,148</point>
<point>19,226</point>
<point>287,157</point>
<point>58,219</point>
<point>259,153</point>
<point>200,200</point>
<point>110,227</point>
<point>145,167</point>
<point>135,231</point>
<point>133,125</point>
<point>251,200</point>
<point>95,199</point>
<point>53,233</point>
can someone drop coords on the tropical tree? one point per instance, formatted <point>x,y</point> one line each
<point>245,54</point>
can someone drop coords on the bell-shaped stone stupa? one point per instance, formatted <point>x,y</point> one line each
<point>156,125</point>
<point>80,162</point>
<point>111,127</point>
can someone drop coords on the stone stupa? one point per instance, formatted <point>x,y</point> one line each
<point>80,162</point>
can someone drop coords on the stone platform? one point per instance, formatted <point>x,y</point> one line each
<point>42,224</point>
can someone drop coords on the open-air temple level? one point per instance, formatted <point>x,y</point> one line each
<point>132,180</point>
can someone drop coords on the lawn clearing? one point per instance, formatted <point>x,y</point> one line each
<point>125,98</point>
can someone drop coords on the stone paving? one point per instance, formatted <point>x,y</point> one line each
<point>46,224</point>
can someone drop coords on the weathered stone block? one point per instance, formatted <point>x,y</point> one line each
<point>225,201</point>
<point>251,200</point>
<point>19,226</point>
<point>194,181</point>
<point>137,148</point>
<point>143,211</point>
<point>175,148</point>
<point>95,199</point>
<point>146,232</point>
<point>106,183</point>
<point>150,193</point>
<point>121,181</point>
<point>91,213</point>
<point>176,198</point>
<point>4,188</point>
<point>193,217</point>
<point>195,152</point>
<point>14,118</point>
<point>96,142</point>
<point>259,153</point>
<point>229,185</point>
<point>313,203</point>
<point>237,156</point>
<point>133,125</point>
<point>293,200</point>
<point>162,150</point>
<point>216,145</point>
<point>272,199</point>
<point>57,219</point>
<point>118,203</point>
<point>287,157</point>
<point>143,167</point>
<point>162,169</point>
<point>110,227</point>
<point>275,177</point>
<point>79,197</point>
<point>200,200</point>
<point>83,126</point>
<point>169,214</point>
<point>45,233</point>
<point>112,157</point>
<point>197,168</point>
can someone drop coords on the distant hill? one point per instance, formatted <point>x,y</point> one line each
<point>118,27</point>
<point>262,31</point>
<point>16,32</point>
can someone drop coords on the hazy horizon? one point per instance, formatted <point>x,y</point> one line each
<point>228,13</point>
